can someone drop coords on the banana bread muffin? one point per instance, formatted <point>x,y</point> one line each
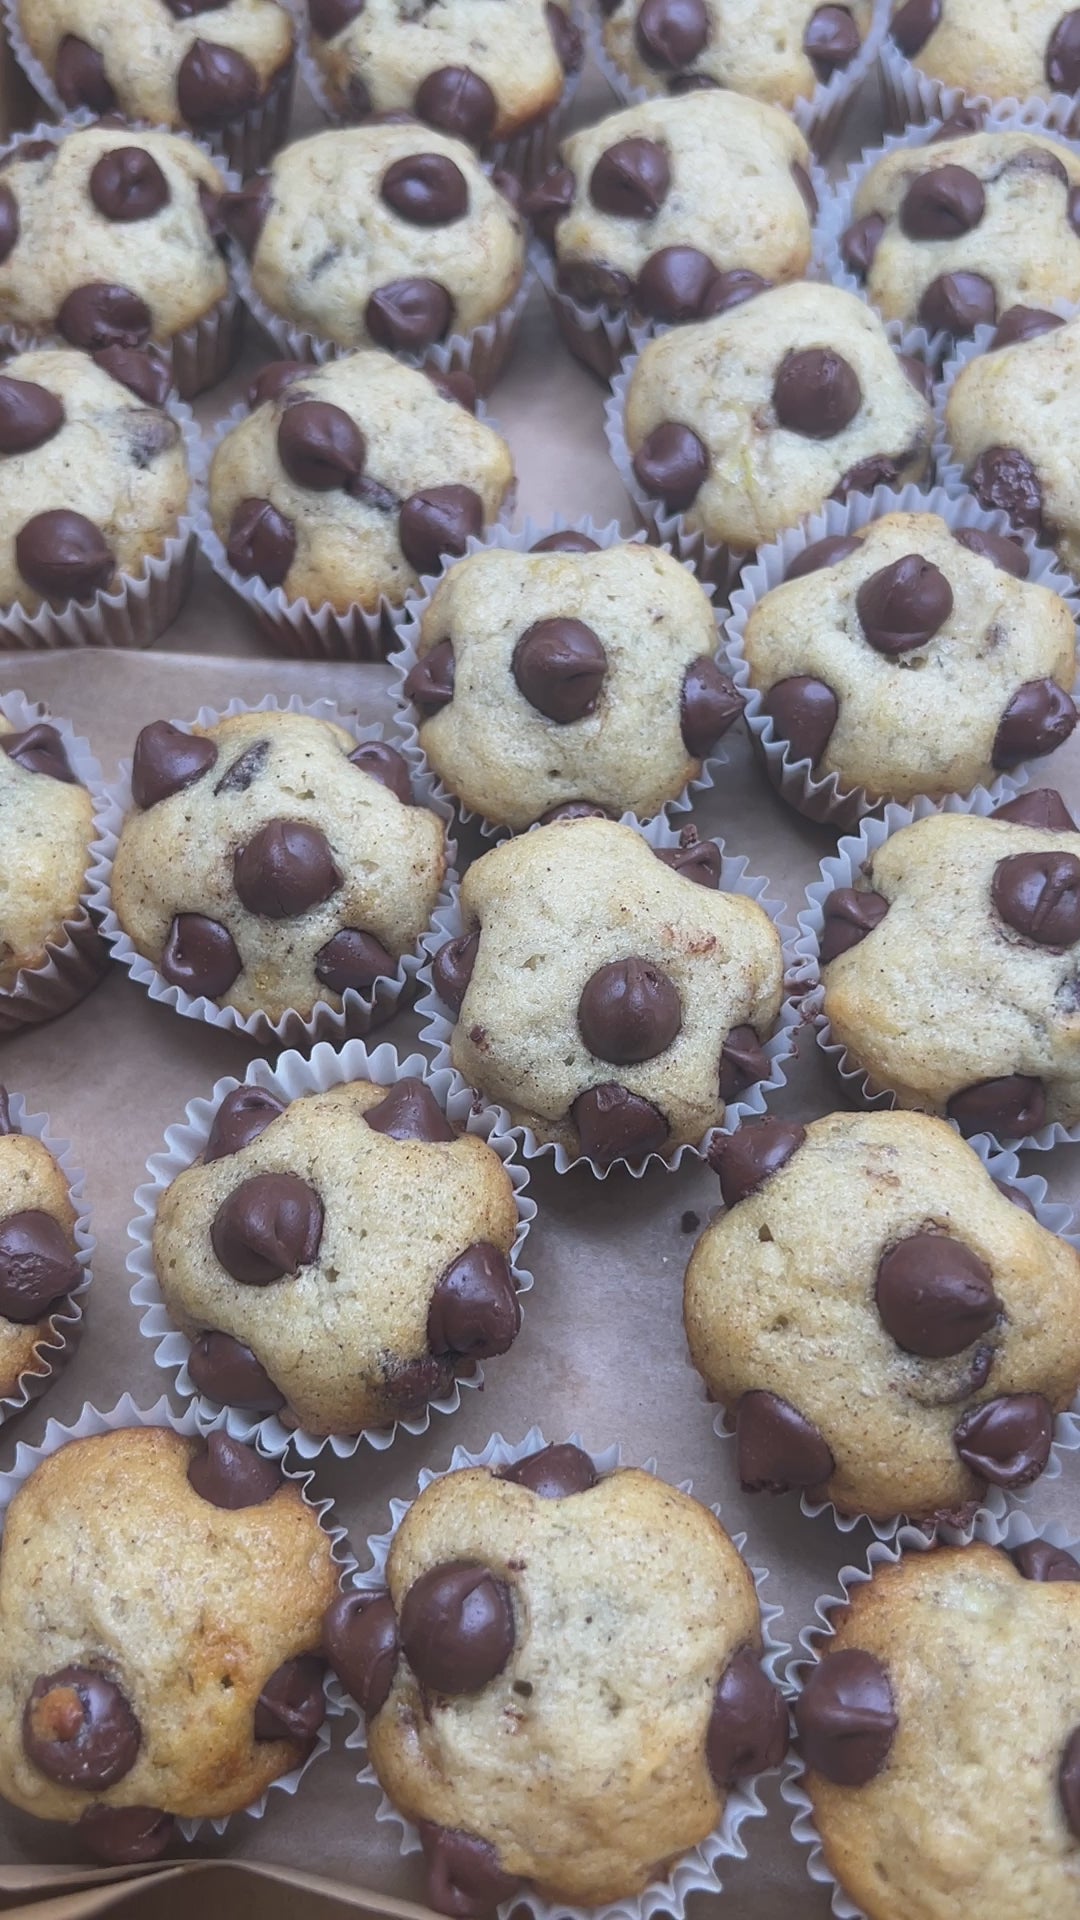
<point>918,1817</point>
<point>609,1626</point>
<point>993,48</point>
<point>902,1364</point>
<point>39,1264</point>
<point>777,50</point>
<point>611,997</point>
<point>346,482</point>
<point>270,863</point>
<point>161,1604</point>
<point>897,657</point>
<point>559,679</point>
<point>46,820</point>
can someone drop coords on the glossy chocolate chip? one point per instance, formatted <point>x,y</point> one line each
<point>452,969</point>
<point>746,1159</point>
<point>860,242</point>
<point>410,1111</point>
<point>1038,807</point>
<point>1063,54</point>
<point>1038,895</point>
<point>1006,1441</point>
<point>631,179</point>
<point>567,540</point>
<point>1023,323</point>
<point>903,605</point>
<point>846,1717</point>
<point>272,380</point>
<point>934,1295</point>
<point>166,760</point>
<point>1039,717</point>
<point>880,470</point>
<point>709,704</point>
<point>228,1372</point>
<point>913,24</point>
<point>464,1877</point>
<point>438,521</point>
<point>777,1448</point>
<point>693,859</point>
<point>243,212</point>
<point>1038,1560</point>
<point>803,712</point>
<point>831,40</point>
<point>1069,1771</point>
<point>386,765</point>
<point>1015,1197</point>
<point>29,415</point>
<point>1004,477</point>
<point>320,446</point>
<point>671,33</point>
<point>200,956</point>
<point>457,1627</point>
<point>328,17</point>
<point>143,370</point>
<point>743,1061</point>
<point>458,102</point>
<point>566,37</point>
<point>125,1836</point>
<point>360,1641</point>
<point>549,200</point>
<point>458,386</point>
<point>79,1730</point>
<point>822,553</point>
<point>816,393</point>
<point>958,303</point>
<point>127,184</point>
<point>228,1474</point>
<point>559,667</point>
<point>101,314</point>
<point>261,543</point>
<point>671,463</point>
<point>629,1011</point>
<point>675,283</point>
<point>732,289</point>
<point>292,1703</point>
<point>80,76</point>
<point>285,869</point>
<point>215,84</point>
<point>942,203</point>
<point>352,961</point>
<point>555,1473</point>
<point>591,283</point>
<point>614,1124</point>
<point>37,1265</point>
<point>242,1117</point>
<point>474,1310</point>
<point>1014,1105</point>
<point>268,1227</point>
<point>748,1726</point>
<point>1001,548</point>
<point>427,189</point>
<point>430,683</point>
<point>850,914</point>
<point>9,221</point>
<point>63,555</point>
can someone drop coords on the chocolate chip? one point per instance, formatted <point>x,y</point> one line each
<point>320,446</point>
<point>463,1872</point>
<point>9,221</point>
<point>458,102</point>
<point>846,1717</point>
<point>631,179</point>
<point>292,1704</point>
<point>474,1310</point>
<point>80,77</point>
<point>1038,895</point>
<point>942,204</point>
<point>329,16</point>
<point>629,1011</point>
<point>743,1061</point>
<point>427,189</point>
<point>1039,717</point>
<point>1006,1441</point>
<point>671,33</point>
<point>29,415</point>
<point>457,1627</point>
<point>674,284</point>
<point>125,1836</point>
<point>822,553</point>
<point>816,393</point>
<point>566,38</point>
<point>693,859</point>
<point>1038,1560</point>
<point>37,1265</point>
<point>958,303</point>
<point>732,289</point>
<point>438,521</point>
<point>386,765</point>
<point>776,1446</point>
<point>1069,1771</point>
<point>1063,54</point>
<point>452,969</point>
<point>1023,323</point>
<point>230,1475</point>
<point>831,40</point>
<point>934,1295</point>
<point>1004,477</point>
<point>430,684</point>
<point>803,712</point>
<point>272,380</point>
<point>243,1115</point>
<point>1005,551</point>
<point>850,914</point>
<point>408,315</point>
<point>166,760</point>
<point>549,200</point>
<point>352,961</point>
<point>1014,1105</point>
<point>127,184</point>
<point>903,605</point>
<point>880,470</point>
<point>559,667</point>
<point>63,555</point>
<point>78,1729</point>
<point>410,1111</point>
<point>268,1227</point>
<point>961,121</point>
<point>748,1726</point>
<point>1038,807</point>
<point>555,1473</point>
<point>224,1369</point>
<point>200,956</point>
<point>573,810</point>
<point>708,705</point>
<point>1015,1197</point>
<point>913,24</point>
<point>243,211</point>
<point>590,283</point>
<point>285,869</point>
<point>671,463</point>
<point>215,84</point>
<point>567,540</point>
<point>614,1124</point>
<point>457,386</point>
<point>360,1640</point>
<point>261,542</point>
<point>103,315</point>
<point>859,243</point>
<point>746,1159</point>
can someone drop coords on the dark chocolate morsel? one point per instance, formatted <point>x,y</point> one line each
<point>709,704</point>
<point>125,1836</point>
<point>591,283</point>
<point>961,121</point>
<point>269,1226</point>
<point>37,1265</point>
<point>474,1310</point>
<point>458,102</point>
<point>671,463</point>
<point>860,242</point>
<point>913,24</point>
<point>228,1372</point>
<point>438,521</point>
<point>1023,323</point>
<point>244,212</point>
<point>271,381</point>
<point>240,773</point>
<point>1039,717</point>
<point>386,765</point>
<point>675,283</point>
<point>567,540</point>
<point>145,372</point>
<point>777,1447</point>
<point>559,666</point>
<point>1069,1771</point>
<point>261,541</point>
<point>671,33</point>
<point>100,314</point>
<point>1015,1197</point>
<point>1002,548</point>
<point>80,76</point>
<point>831,40</point>
<point>631,179</point>
<point>958,303</point>
<point>629,1011</point>
<point>464,1877</point>
<point>329,16</point>
<point>430,684</point>
<point>352,961</point>
<point>9,220</point>
<point>452,969</point>
<point>29,415</point>
<point>231,1475</point>
<point>320,446</point>
<point>458,386</point>
<point>744,1160</point>
<point>823,553</point>
<point>292,1704</point>
<point>942,203</point>
<point>554,1473</point>
<point>566,38</point>
<point>285,869</point>
<point>743,1061</point>
<point>166,760</point>
<point>879,470</point>
<point>549,200</point>
<point>903,605</point>
<point>1038,1560</point>
<point>360,1641</point>
<point>732,289</point>
<point>816,393</point>
<point>243,1115</point>
<point>63,555</point>
<point>748,1726</point>
<point>846,1717</point>
<point>79,1730</point>
<point>457,1627</point>
<point>200,956</point>
<point>214,84</point>
<point>1006,1441</point>
<point>919,375</point>
<point>39,749</point>
<point>806,188</point>
<point>426,189</point>
<point>1038,895</point>
<point>1038,807</point>
<point>615,1124</point>
<point>693,859</point>
<point>127,184</point>
<point>935,1296</point>
<point>1063,55</point>
<point>803,712</point>
<point>1014,1106</point>
<point>410,1111</point>
<point>407,315</point>
<point>1004,477</point>
<point>573,810</point>
<point>850,914</point>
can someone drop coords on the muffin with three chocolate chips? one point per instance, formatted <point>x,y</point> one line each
<point>609,1622</point>
<point>50,952</point>
<point>904,1363</point>
<point>778,50</point>
<point>992,49</point>
<point>39,1252</point>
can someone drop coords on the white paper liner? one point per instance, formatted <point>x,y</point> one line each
<point>950,470</point>
<point>824,797</point>
<point>696,1871</point>
<point>359,1012</point>
<point>911,98</point>
<point>318,633</point>
<point>65,1321</point>
<point>126,1413</point>
<point>291,1078</point>
<point>519,540</point>
<point>842,869</point>
<point>438,1031</point>
<point>1008,1529</point>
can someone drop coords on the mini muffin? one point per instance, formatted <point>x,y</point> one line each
<point>953,234</point>
<point>384,1271</point>
<point>475,69</point>
<point>269,863</point>
<point>952,967</point>
<point>46,820</point>
<point>161,1605</point>
<point>778,50</point>
<point>744,423</point>
<point>386,235</point>
<point>902,1364</point>
<point>993,48</point>
<point>679,209</point>
<point>348,481</point>
<point>1013,417</point>
<point>899,657</point>
<point>612,704</point>
<point>563,1681</point>
<point>39,1263</point>
<point>612,998</point>
<point>919,1817</point>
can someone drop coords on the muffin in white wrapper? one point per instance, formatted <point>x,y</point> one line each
<point>949,470</point>
<point>359,1012</point>
<point>912,98</point>
<point>65,1320</point>
<point>290,1078</point>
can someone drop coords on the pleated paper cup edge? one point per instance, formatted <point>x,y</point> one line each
<point>64,1323</point>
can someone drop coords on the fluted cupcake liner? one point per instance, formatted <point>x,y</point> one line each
<point>291,1078</point>
<point>949,469</point>
<point>697,1871</point>
<point>843,869</point>
<point>1008,1529</point>
<point>911,98</point>
<point>823,797</point>
<point>64,1327</point>
<point>438,1032</point>
<point>358,1012</point>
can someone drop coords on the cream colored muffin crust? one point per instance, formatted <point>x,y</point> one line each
<point>751,46</point>
<point>1000,48</point>
<point>45,827</point>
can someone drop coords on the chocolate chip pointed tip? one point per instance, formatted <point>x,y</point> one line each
<point>243,1115</point>
<point>859,243</point>
<point>709,704</point>
<point>850,914</point>
<point>748,1727</point>
<point>1004,549</point>
<point>671,464</point>
<point>614,1124</point>
<point>243,212</point>
<point>166,760</point>
<point>743,1062</point>
<point>39,749</point>
<point>474,1311</point>
<point>957,303</point>
<point>464,1878</point>
<point>1036,807</point>
<point>360,1641</point>
<point>555,1472</point>
<point>292,1702</point>
<point>1040,1560</point>
<point>823,553</point>
<point>746,1159</point>
<point>1040,717</point>
<point>63,555</point>
<point>693,859</point>
<point>409,1111</point>
<point>231,1475</point>
<point>670,34</point>
<point>261,542</point>
<point>846,1717</point>
<point>934,1295</point>
<point>227,1371</point>
<point>804,712</point>
<point>126,1836</point>
<point>38,1266</point>
<point>386,765</point>
<point>1023,323</point>
<point>200,956</point>
<point>408,315</point>
<point>559,665</point>
<point>452,969</point>
<point>1012,1106</point>
<point>80,76</point>
<point>913,23</point>
<point>459,102</point>
<point>831,40</point>
<point>437,523</point>
<point>903,605</point>
<point>631,179</point>
<point>1006,1441</point>
<point>215,84</point>
<point>777,1447</point>
<point>1038,896</point>
<point>565,540</point>
<point>267,1228</point>
<point>457,1627</point>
